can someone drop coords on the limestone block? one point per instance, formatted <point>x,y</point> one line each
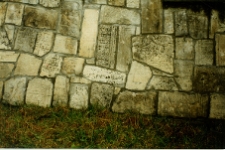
<point>3,7</point>
<point>44,43</point>
<point>10,29</point>
<point>184,73</point>
<point>6,69</point>
<point>14,91</point>
<point>116,2</point>
<point>24,1</point>
<point>168,21</point>
<point>152,16</point>
<point>50,3</point>
<point>220,49</point>
<point>184,48</point>
<point>90,61</point>
<point>1,88</point>
<point>133,3</point>
<point>98,1</point>
<point>61,91</point>
<point>27,65</point>
<point>89,33</point>
<point>4,41</point>
<point>78,96</point>
<point>162,83</point>
<point>154,50</point>
<point>7,56</point>
<point>73,65</point>
<point>117,15</point>
<point>217,106</point>
<point>204,52</point>
<point>77,79</point>
<point>65,45</point>
<point>140,102</point>
<point>25,40</point>
<point>124,53</point>
<point>70,18</point>
<point>14,13</point>
<point>101,94</point>
<point>179,104</point>
<point>51,65</point>
<point>138,76</point>
<point>39,92</point>
<point>216,25</point>
<point>181,28</point>
<point>99,74</point>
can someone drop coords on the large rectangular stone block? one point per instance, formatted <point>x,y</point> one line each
<point>220,49</point>
<point>14,13</point>
<point>217,106</point>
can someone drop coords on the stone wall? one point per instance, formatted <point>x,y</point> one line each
<point>126,55</point>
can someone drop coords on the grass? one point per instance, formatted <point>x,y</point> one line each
<point>36,127</point>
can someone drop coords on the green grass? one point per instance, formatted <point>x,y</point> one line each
<point>36,127</point>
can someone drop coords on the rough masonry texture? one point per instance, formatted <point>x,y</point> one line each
<point>125,55</point>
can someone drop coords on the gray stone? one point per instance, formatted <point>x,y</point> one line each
<point>162,83</point>
<point>179,104</point>
<point>101,94</point>
<point>6,69</point>
<point>116,2</point>
<point>39,92</point>
<point>4,41</point>
<point>14,13</point>
<point>50,3</point>
<point>140,102</point>
<point>181,28</point>
<point>3,7</point>
<point>73,65</point>
<point>133,3</point>
<point>216,25</point>
<point>204,51</point>
<point>217,106</point>
<point>154,50</point>
<point>184,48</point>
<point>138,76</point>
<point>220,49</point>
<point>77,79</point>
<point>8,56</point>
<point>117,15</point>
<point>1,88</point>
<point>168,21</point>
<point>14,91</point>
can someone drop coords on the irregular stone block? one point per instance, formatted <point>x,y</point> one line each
<point>101,94</point>
<point>51,65</point>
<point>61,91</point>
<point>154,50</point>
<point>116,2</point>
<point>98,74</point>
<point>216,25</point>
<point>204,51</point>
<point>39,92</point>
<point>89,33</point>
<point>14,91</point>
<point>90,61</point>
<point>168,21</point>
<point>220,49</point>
<point>98,1</point>
<point>160,73</point>
<point>217,106</point>
<point>78,96</point>
<point>133,3</point>
<point>117,90</point>
<point>66,45</point>
<point>179,104</point>
<point>181,28</point>
<point>77,79</point>
<point>138,76</point>
<point>3,7</point>
<point>73,65</point>
<point>152,16</point>
<point>27,65</point>
<point>6,69</point>
<point>25,40</point>
<point>24,1</point>
<point>141,102</point>
<point>14,13</point>
<point>50,3</point>
<point>162,83</point>
<point>10,29</point>
<point>124,54</point>
<point>1,88</point>
<point>70,18</point>
<point>4,41</point>
<point>117,15</point>
<point>184,48</point>
<point>7,56</point>
<point>44,43</point>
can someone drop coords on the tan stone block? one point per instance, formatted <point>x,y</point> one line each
<point>6,69</point>
<point>133,3</point>
<point>77,79</point>
<point>7,56</point>
<point>10,30</point>
<point>1,88</point>
<point>14,13</point>
<point>217,106</point>
<point>220,49</point>
<point>216,25</point>
<point>168,21</point>
<point>162,83</point>
<point>184,48</point>
<point>50,3</point>
<point>90,61</point>
<point>73,65</point>
<point>3,7</point>
<point>116,2</point>
<point>98,1</point>
<point>25,1</point>
<point>4,41</point>
<point>181,27</point>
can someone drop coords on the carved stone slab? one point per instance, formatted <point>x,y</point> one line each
<point>14,13</point>
<point>6,69</point>
<point>217,106</point>
<point>220,49</point>
<point>7,56</point>
<point>3,7</point>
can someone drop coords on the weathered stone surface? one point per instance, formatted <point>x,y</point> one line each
<point>217,106</point>
<point>133,3</point>
<point>61,91</point>
<point>89,33</point>
<point>14,13</point>
<point>184,48</point>
<point>44,43</point>
<point>152,16</point>
<point>24,1</point>
<point>116,2</point>
<point>50,3</point>
<point>216,25</point>
<point>204,52</point>
<point>182,104</point>
<point>141,102</point>
<point>183,73</point>
<point>66,45</point>
<point>138,76</point>
<point>117,90</point>
<point>117,15</point>
<point>4,41</point>
<point>7,56</point>
<point>90,61</point>
<point>209,79</point>
<point>220,49</point>
<point>70,18</point>
<point>168,21</point>
<point>138,30</point>
<point>101,94</point>
<point>3,7</point>
<point>1,88</point>
<point>160,73</point>
<point>39,92</point>
<point>181,28</point>
<point>155,50</point>
<point>25,40</point>
<point>40,17</point>
<point>124,53</point>
<point>78,96</point>
<point>107,45</point>
<point>162,83</point>
<point>6,69</point>
<point>77,79</point>
<point>10,29</point>
<point>27,65</point>
<point>51,65</point>
<point>73,65</point>
<point>14,91</point>
<point>98,74</point>
<point>98,1</point>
